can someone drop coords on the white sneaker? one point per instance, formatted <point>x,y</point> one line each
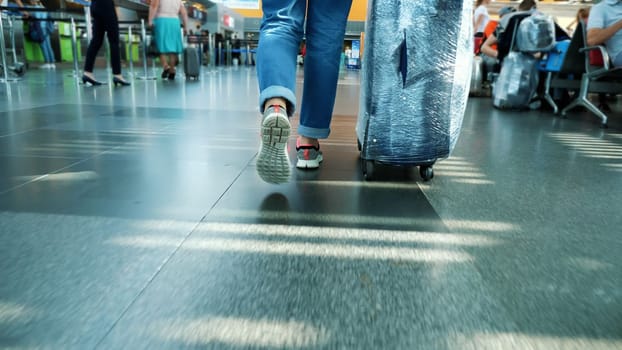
<point>52,66</point>
<point>273,161</point>
<point>44,66</point>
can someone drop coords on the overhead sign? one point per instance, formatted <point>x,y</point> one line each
<point>228,21</point>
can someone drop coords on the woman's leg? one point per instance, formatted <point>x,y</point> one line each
<point>112,31</point>
<point>279,38</point>
<point>174,59</point>
<point>326,25</point>
<point>46,48</point>
<point>94,45</point>
<point>164,60</point>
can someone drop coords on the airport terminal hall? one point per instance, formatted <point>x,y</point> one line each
<point>292,174</point>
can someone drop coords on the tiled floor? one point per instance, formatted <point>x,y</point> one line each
<point>133,218</point>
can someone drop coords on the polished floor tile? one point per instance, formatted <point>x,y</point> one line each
<point>133,218</point>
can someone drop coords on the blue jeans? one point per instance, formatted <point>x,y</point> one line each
<point>281,32</point>
<point>46,48</point>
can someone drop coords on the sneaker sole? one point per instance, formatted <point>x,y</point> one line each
<point>273,162</point>
<point>309,164</point>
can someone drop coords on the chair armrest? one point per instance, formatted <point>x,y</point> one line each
<point>603,52</point>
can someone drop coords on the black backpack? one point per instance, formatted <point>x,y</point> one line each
<point>35,32</point>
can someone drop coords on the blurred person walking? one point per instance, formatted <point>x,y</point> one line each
<point>480,16</point>
<point>39,30</point>
<point>164,17</point>
<point>105,22</point>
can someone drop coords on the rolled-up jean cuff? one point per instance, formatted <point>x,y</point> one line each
<point>313,133</point>
<point>278,91</point>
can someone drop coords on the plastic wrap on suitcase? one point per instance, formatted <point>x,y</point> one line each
<point>536,33</point>
<point>414,88</point>
<point>517,81</point>
<point>192,64</point>
<point>477,76</point>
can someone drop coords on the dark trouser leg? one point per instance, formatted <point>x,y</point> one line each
<point>95,44</point>
<point>112,29</point>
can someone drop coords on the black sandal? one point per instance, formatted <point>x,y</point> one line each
<point>166,73</point>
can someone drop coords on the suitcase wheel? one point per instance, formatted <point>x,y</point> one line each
<point>426,172</point>
<point>19,70</point>
<point>367,166</point>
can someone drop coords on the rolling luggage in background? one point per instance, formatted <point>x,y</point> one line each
<point>517,82</point>
<point>536,33</point>
<point>477,77</point>
<point>414,87</point>
<point>192,62</point>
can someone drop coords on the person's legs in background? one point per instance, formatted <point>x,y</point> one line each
<point>112,31</point>
<point>166,66</point>
<point>91,52</point>
<point>48,53</point>
<point>173,60</point>
<point>279,38</point>
<point>160,31</point>
<point>326,25</point>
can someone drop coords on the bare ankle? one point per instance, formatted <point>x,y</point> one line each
<point>308,141</point>
<point>275,101</point>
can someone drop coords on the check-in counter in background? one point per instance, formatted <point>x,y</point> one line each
<point>61,44</point>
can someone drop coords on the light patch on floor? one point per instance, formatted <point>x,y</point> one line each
<point>591,146</point>
<point>243,332</point>
<point>64,176</point>
<point>340,251</point>
<point>11,312</point>
<point>263,241</point>
<point>473,181</point>
<point>480,225</point>
<point>455,167</point>
<point>345,219</point>
<point>461,174</point>
<point>352,234</point>
<point>589,264</point>
<point>511,340</point>
<point>458,170</point>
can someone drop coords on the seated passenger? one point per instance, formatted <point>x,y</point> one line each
<point>489,47</point>
<point>582,15</point>
<point>605,27</point>
<point>490,62</point>
<point>491,27</point>
<point>510,22</point>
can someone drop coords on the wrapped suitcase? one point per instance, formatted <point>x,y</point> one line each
<point>477,77</point>
<point>536,33</point>
<point>192,62</point>
<point>415,82</point>
<point>517,82</point>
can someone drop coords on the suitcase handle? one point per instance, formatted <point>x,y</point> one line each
<point>403,66</point>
